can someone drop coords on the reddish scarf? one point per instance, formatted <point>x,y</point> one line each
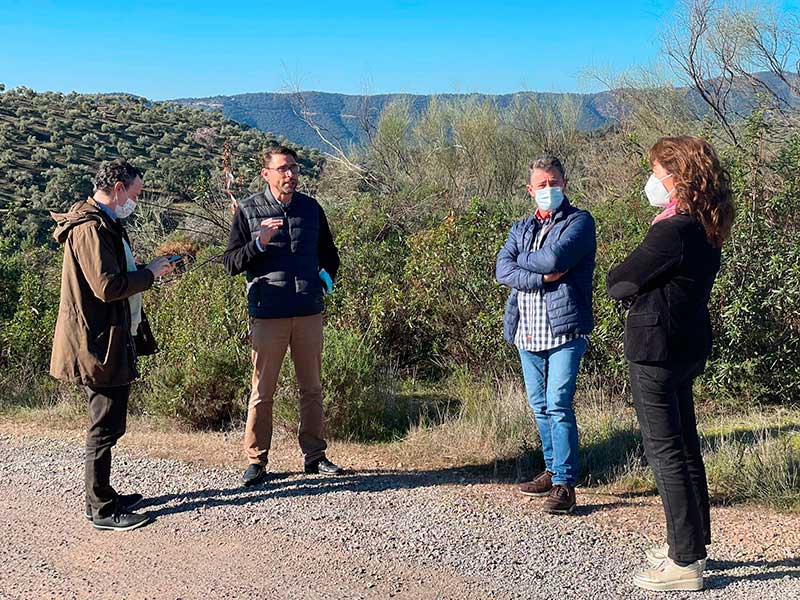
<point>669,211</point>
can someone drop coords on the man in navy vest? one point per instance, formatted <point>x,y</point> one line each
<point>281,240</point>
<point>548,262</point>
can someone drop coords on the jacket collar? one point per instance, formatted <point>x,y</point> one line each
<point>81,212</point>
<point>273,200</point>
<point>562,210</point>
<point>559,214</point>
<point>104,215</point>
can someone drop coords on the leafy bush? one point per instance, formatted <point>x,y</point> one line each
<point>207,392</point>
<point>756,301</point>
<point>29,281</point>
<point>357,389</point>
<point>29,294</point>
<point>201,373</point>
<point>453,313</point>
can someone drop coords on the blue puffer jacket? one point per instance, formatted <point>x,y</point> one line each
<point>570,247</point>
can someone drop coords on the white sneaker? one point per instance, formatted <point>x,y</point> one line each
<point>658,553</point>
<point>668,576</point>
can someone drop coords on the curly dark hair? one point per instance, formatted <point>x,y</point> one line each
<point>112,171</point>
<point>702,185</point>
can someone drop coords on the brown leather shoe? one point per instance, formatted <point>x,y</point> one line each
<point>560,500</point>
<point>539,486</point>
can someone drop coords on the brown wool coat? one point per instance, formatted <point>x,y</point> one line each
<point>92,344</point>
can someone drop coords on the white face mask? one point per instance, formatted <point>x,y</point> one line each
<point>549,198</point>
<point>126,210</point>
<point>655,191</point>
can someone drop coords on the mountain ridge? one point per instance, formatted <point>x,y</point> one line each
<point>339,114</point>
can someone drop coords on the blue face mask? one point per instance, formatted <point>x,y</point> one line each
<point>549,199</point>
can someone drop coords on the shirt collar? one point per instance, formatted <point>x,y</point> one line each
<point>106,210</point>
<point>268,193</point>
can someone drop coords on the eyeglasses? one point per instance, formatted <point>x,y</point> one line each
<point>284,169</point>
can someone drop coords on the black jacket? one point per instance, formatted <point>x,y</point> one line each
<point>283,280</point>
<point>667,283</point>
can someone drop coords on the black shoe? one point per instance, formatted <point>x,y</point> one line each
<point>323,466</point>
<point>125,502</point>
<point>121,521</point>
<point>254,474</point>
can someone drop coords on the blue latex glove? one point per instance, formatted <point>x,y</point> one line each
<point>326,279</point>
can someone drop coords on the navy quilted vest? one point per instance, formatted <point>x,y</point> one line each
<point>284,280</point>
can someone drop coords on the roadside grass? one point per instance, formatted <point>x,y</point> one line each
<point>25,388</point>
<point>751,455</point>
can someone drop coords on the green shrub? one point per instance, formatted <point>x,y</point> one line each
<point>30,282</point>
<point>428,297</point>
<point>756,301</point>
<point>208,392</point>
<point>368,295</point>
<point>10,273</point>
<point>201,373</point>
<point>357,390</point>
<point>454,309</point>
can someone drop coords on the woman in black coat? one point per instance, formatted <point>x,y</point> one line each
<point>666,283</point>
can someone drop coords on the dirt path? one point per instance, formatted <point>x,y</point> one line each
<point>440,533</point>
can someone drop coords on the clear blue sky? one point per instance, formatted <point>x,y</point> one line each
<point>176,48</point>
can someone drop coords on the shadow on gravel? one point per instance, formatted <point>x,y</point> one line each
<point>288,485</point>
<point>582,510</point>
<point>719,580</point>
<point>725,565</point>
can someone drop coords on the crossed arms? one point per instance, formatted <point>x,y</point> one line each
<point>526,270</point>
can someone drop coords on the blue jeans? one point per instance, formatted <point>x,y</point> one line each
<point>550,379</point>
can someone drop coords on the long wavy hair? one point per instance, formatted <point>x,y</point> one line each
<point>702,185</point>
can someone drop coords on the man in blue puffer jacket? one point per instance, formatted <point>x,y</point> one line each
<point>548,262</point>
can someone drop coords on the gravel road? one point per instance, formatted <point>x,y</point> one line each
<point>370,534</point>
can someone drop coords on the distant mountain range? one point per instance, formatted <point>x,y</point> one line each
<point>341,115</point>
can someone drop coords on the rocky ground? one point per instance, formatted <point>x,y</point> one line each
<point>373,533</point>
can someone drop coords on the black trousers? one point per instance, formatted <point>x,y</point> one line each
<point>662,395</point>
<point>108,410</point>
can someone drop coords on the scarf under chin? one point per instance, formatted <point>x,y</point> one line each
<point>669,211</point>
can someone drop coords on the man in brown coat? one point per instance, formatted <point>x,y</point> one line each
<point>101,328</point>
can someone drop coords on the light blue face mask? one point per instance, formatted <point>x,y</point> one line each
<point>549,198</point>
